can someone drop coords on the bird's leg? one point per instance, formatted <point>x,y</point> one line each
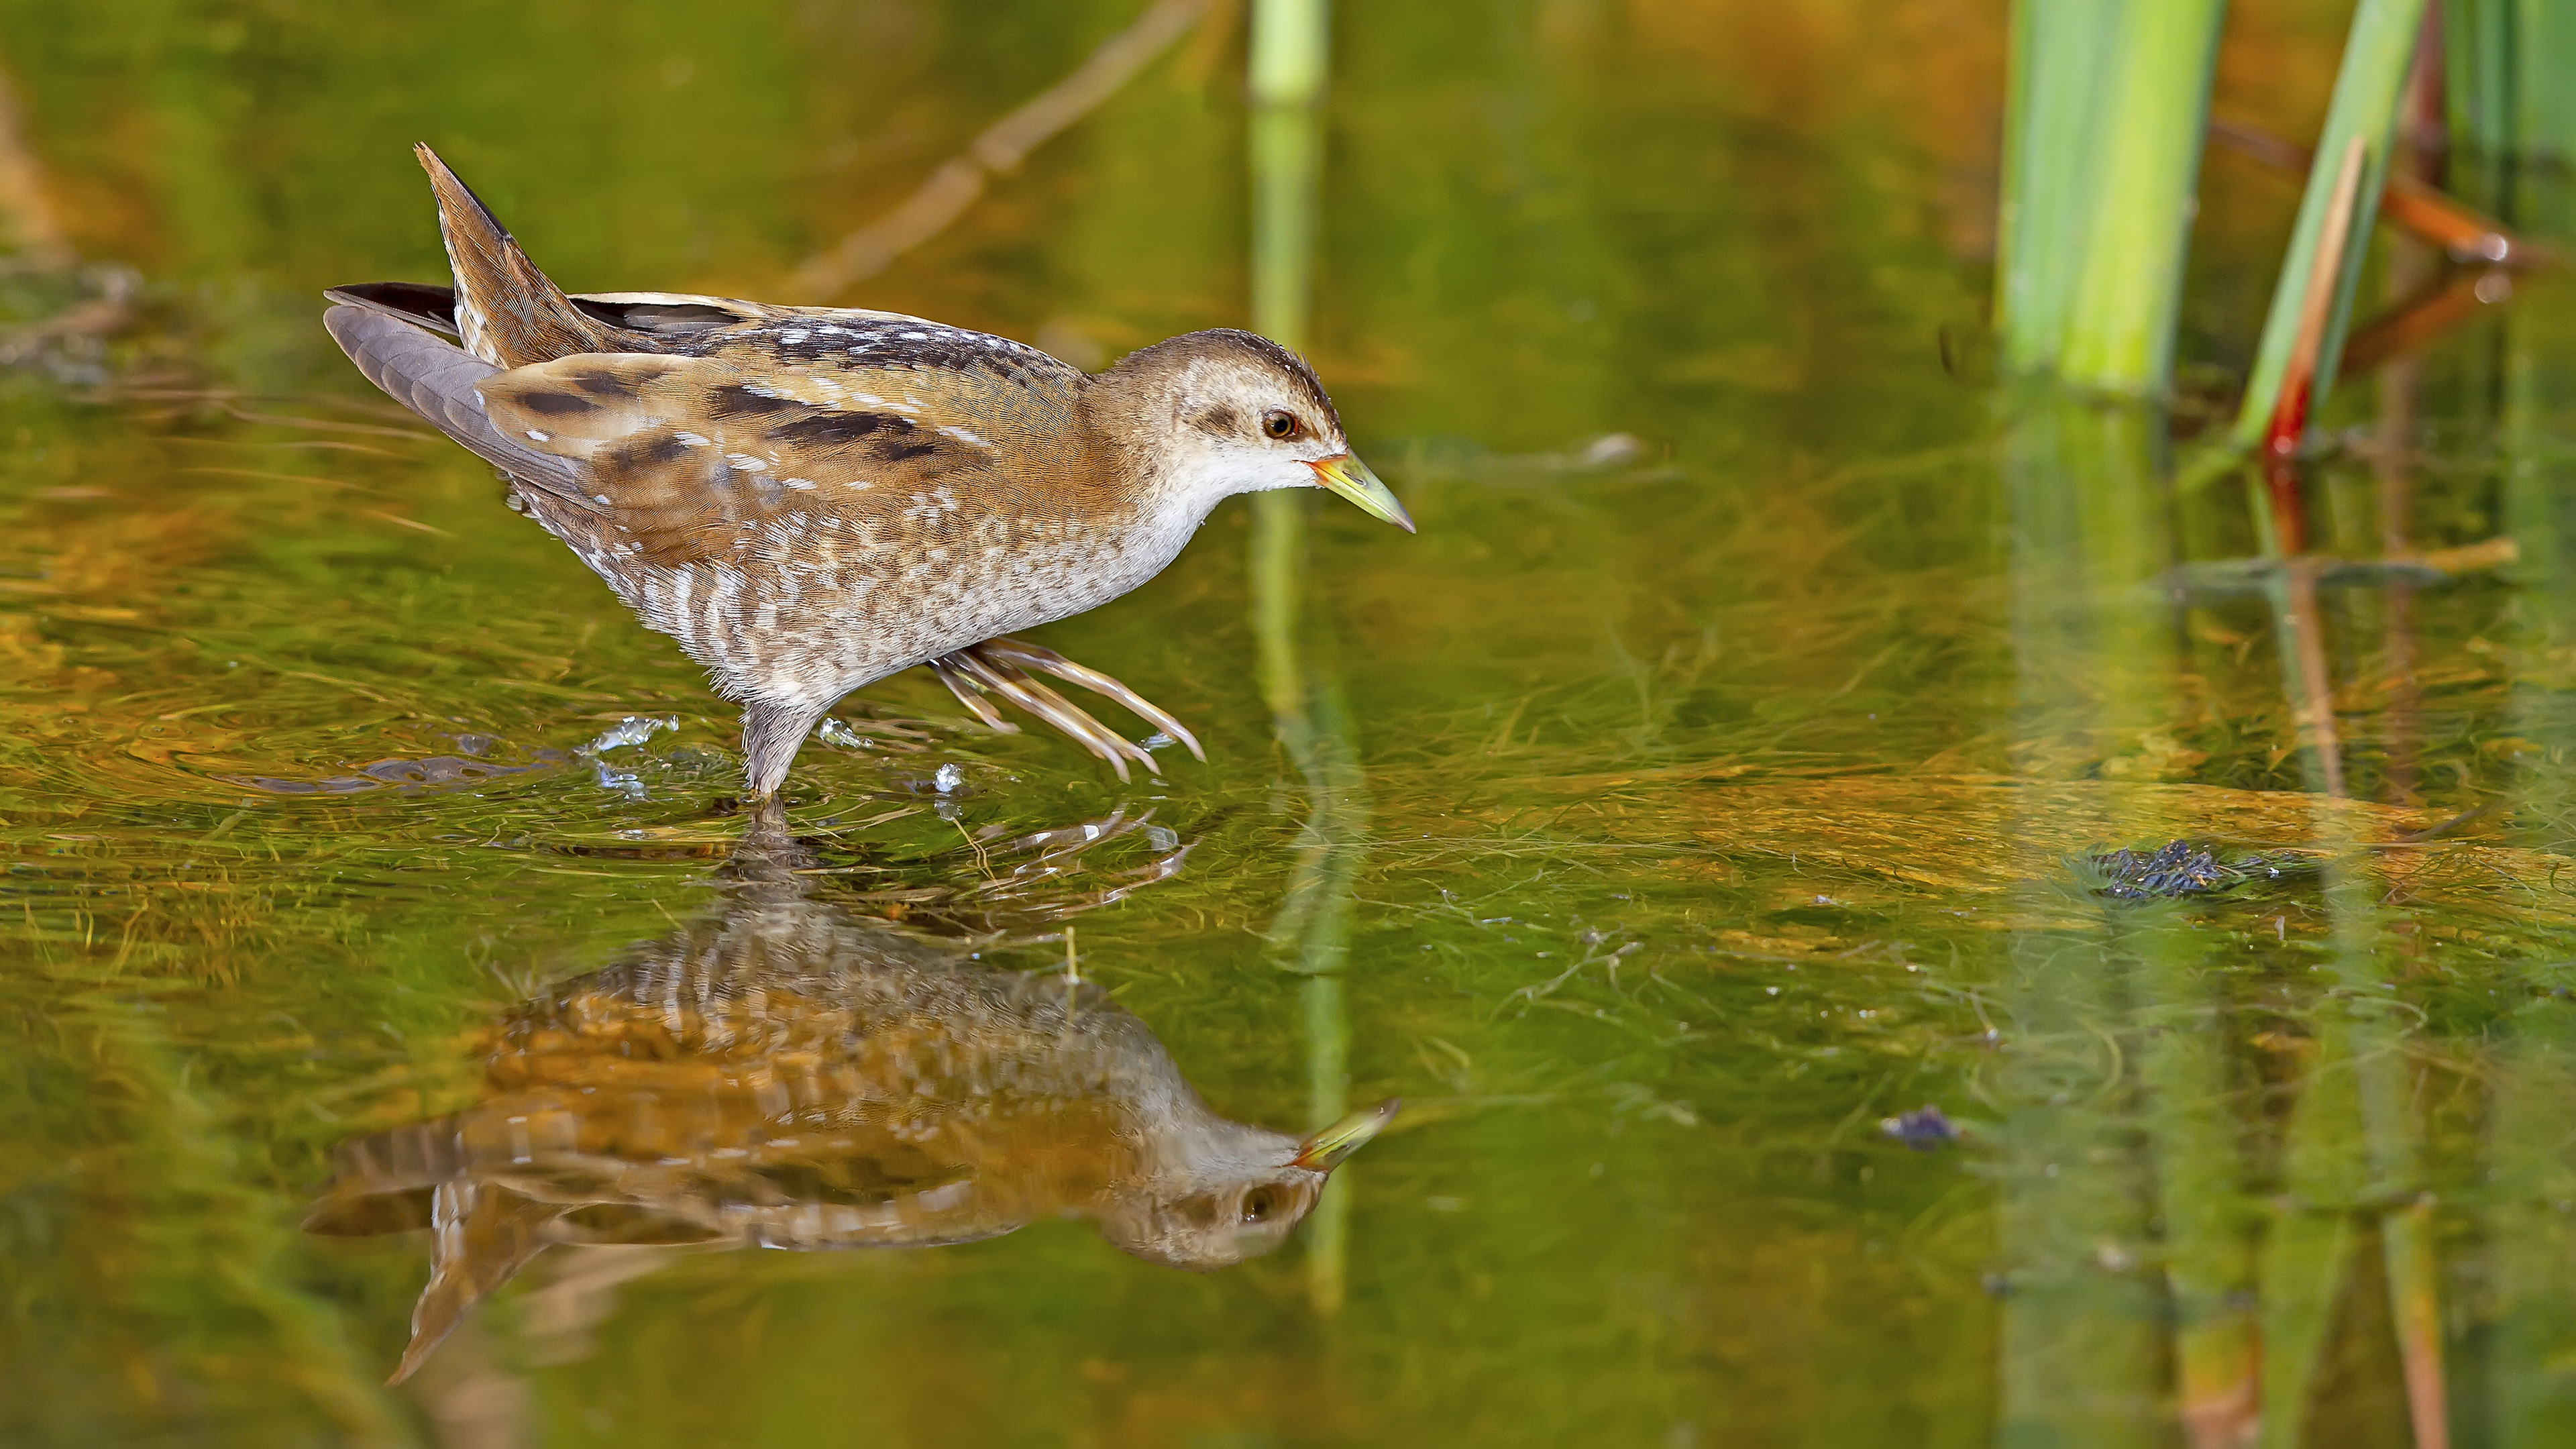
<point>772,732</point>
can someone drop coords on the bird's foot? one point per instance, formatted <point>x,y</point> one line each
<point>1001,667</point>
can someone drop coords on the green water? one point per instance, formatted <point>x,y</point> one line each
<point>1664,816</point>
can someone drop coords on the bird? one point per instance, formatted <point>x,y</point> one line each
<point>811,499</point>
<point>788,1073</point>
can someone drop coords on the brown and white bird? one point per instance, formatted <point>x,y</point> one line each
<point>793,1075</point>
<point>810,499</point>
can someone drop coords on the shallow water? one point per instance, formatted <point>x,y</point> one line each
<point>1714,778</point>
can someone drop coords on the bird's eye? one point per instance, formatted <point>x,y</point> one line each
<point>1259,1204</point>
<point>1279,423</point>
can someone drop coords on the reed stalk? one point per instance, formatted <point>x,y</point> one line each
<point>2477,75</point>
<point>2048,122</point>
<point>2544,44</point>
<point>1290,49</point>
<point>2506,69</point>
<point>2102,144</point>
<point>2307,1255</point>
<point>2368,91</point>
<point>1290,52</point>
<point>2408,1250</point>
<point>2296,393</point>
<point>2128,288</point>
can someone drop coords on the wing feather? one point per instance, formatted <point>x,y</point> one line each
<point>695,458</point>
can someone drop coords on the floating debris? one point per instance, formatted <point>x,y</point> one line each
<point>2181,868</point>
<point>1925,1129</point>
<point>2177,869</point>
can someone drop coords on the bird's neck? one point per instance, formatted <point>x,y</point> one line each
<point>1157,467</point>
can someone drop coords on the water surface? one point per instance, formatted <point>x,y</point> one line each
<point>1712,779</point>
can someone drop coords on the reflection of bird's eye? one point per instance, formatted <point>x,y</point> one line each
<point>1259,1204</point>
<point>1279,423</point>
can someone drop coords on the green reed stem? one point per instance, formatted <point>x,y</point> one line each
<point>2478,75</point>
<point>1291,51</point>
<point>2507,65</point>
<point>2367,93</point>
<point>2128,288</point>
<point>1287,179</point>
<point>2545,99</point>
<point>1289,55</point>
<point>2048,128</point>
<point>2102,141</point>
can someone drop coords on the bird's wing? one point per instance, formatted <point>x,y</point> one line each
<point>716,457</point>
<point>640,321</point>
<point>422,304</point>
<point>691,322</point>
<point>436,379</point>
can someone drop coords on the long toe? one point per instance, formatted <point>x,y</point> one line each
<point>980,670</point>
<point>1038,657</point>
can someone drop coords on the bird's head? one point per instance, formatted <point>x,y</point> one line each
<point>1236,1198</point>
<point>1226,412</point>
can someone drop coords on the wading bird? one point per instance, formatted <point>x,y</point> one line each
<point>810,499</point>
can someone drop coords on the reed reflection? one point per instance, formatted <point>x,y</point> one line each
<point>792,1074</point>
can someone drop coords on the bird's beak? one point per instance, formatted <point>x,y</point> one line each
<point>1325,1150</point>
<point>1346,475</point>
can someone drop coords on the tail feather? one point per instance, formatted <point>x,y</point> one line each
<point>508,312</point>
<point>434,378</point>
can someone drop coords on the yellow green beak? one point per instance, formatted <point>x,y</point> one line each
<point>1346,475</point>
<point>1325,1150</point>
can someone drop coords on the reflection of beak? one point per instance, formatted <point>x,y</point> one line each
<point>1325,1150</point>
<point>1346,475</point>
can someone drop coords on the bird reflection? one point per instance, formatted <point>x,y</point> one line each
<point>791,1074</point>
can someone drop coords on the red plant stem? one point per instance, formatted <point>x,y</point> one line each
<point>2413,203</point>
